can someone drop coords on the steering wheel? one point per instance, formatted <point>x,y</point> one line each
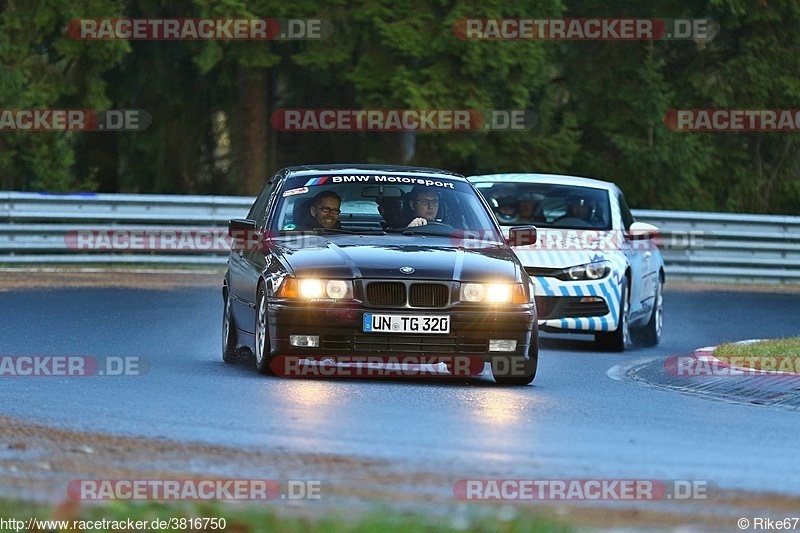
<point>435,223</point>
<point>573,221</point>
<point>435,228</point>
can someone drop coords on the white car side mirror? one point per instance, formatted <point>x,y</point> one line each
<point>640,231</point>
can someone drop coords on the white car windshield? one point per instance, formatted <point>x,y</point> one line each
<point>548,205</point>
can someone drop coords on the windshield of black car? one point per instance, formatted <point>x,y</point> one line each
<point>548,205</point>
<point>383,203</point>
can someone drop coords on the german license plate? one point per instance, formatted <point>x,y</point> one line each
<point>375,323</point>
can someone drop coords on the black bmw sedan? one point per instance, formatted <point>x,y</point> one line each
<point>340,261</point>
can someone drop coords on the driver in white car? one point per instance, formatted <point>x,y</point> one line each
<point>579,207</point>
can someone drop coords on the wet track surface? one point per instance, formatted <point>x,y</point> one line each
<point>574,421</point>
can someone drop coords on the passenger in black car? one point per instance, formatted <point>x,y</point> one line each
<point>391,209</point>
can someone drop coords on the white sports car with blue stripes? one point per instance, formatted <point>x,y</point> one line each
<point>596,270</point>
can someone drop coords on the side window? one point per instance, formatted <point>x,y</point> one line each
<point>627,216</point>
<point>268,192</point>
<point>258,206</point>
<point>259,209</point>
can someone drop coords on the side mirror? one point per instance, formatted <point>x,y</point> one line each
<point>641,231</point>
<point>521,236</point>
<point>240,228</point>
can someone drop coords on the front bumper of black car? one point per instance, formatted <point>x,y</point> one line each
<point>339,331</point>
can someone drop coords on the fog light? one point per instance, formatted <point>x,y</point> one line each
<point>304,341</point>
<point>502,345</point>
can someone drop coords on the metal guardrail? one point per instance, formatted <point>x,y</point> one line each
<point>700,246</point>
<point>34,226</point>
<point>730,247</point>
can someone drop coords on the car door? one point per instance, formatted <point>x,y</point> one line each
<point>243,260</point>
<point>642,274</point>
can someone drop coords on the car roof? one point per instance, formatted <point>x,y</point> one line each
<point>301,170</point>
<point>555,179</point>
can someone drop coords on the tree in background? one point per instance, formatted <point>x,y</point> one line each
<point>600,105</point>
<point>42,68</point>
<point>405,55</point>
<point>753,65</point>
<point>620,92</point>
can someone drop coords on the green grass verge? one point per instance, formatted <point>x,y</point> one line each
<point>777,354</point>
<point>254,518</point>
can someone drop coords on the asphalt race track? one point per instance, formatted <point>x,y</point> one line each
<point>574,421</point>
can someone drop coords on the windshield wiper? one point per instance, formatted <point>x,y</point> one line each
<point>347,231</point>
<point>410,231</point>
<point>330,231</point>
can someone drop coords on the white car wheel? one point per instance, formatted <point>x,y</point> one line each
<point>617,341</point>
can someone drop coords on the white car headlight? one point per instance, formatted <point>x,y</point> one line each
<point>597,270</point>
<point>575,273</point>
<point>589,271</point>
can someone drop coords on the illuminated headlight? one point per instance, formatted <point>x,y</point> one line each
<point>498,293</point>
<point>495,293</point>
<point>590,271</point>
<point>311,288</point>
<point>335,289</point>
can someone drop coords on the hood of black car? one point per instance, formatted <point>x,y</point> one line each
<point>392,256</point>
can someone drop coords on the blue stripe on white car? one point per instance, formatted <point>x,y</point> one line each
<point>608,288</point>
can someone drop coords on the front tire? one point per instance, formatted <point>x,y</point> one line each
<point>261,348</point>
<point>229,352</point>
<point>617,341</point>
<point>510,371</point>
<point>514,370</point>
<point>650,334</point>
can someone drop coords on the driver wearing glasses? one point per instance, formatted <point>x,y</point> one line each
<point>325,210</point>
<point>424,205</point>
